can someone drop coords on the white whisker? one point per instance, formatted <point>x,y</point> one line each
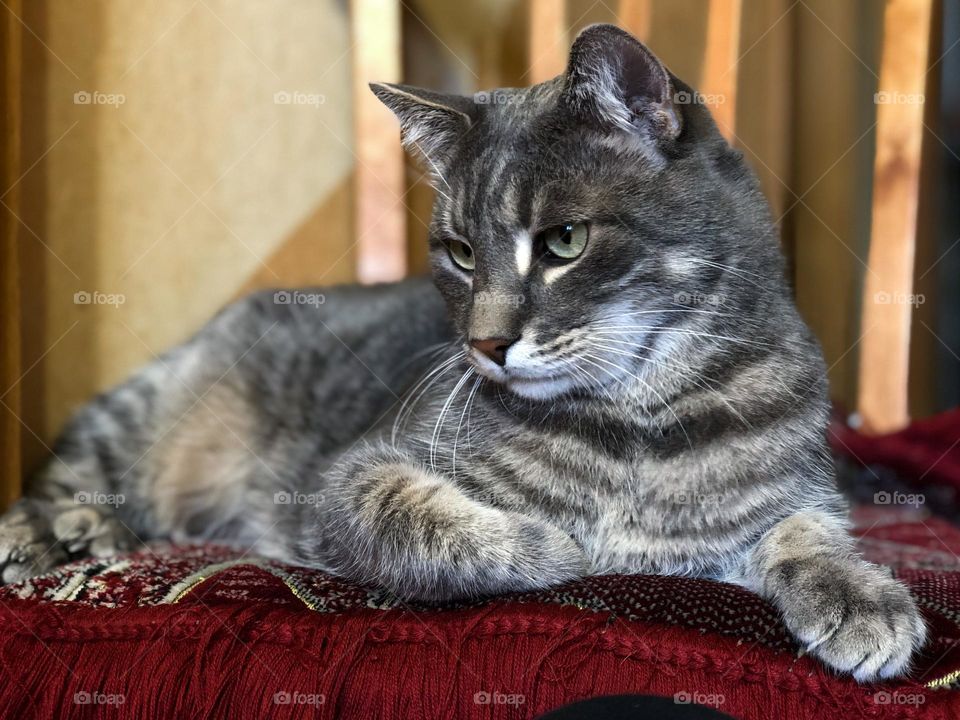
<point>466,407</point>
<point>674,310</point>
<point>733,271</point>
<point>436,170</point>
<point>443,411</point>
<point>715,264</point>
<point>596,382</point>
<point>413,397</point>
<point>633,330</point>
<point>687,373</point>
<point>647,386</point>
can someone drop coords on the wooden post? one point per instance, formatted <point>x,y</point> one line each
<point>635,16</point>
<point>888,301</point>
<point>719,83</point>
<point>548,39</point>
<point>10,123</point>
<point>380,215</point>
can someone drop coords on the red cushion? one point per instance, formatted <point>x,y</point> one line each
<point>207,632</point>
<point>925,453</point>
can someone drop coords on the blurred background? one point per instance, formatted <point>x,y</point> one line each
<point>162,158</point>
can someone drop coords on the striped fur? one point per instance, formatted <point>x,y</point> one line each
<point>663,409</point>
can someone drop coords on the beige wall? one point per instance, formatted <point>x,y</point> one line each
<point>187,192</point>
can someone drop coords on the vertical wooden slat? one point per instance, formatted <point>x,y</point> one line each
<point>548,39</point>
<point>635,16</point>
<point>765,122</point>
<point>827,169</point>
<point>379,210</point>
<point>929,387</point>
<point>10,464</point>
<point>888,290</point>
<point>719,81</point>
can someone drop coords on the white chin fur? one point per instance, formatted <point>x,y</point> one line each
<point>539,389</point>
<point>530,388</point>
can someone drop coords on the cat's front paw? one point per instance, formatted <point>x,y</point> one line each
<point>27,544</point>
<point>397,524</point>
<point>856,619</point>
<point>36,536</point>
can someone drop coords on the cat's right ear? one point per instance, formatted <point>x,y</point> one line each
<point>614,81</point>
<point>431,123</point>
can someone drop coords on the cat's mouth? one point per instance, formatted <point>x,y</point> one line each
<point>524,382</point>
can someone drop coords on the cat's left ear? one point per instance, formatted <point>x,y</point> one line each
<point>431,123</point>
<point>614,80</point>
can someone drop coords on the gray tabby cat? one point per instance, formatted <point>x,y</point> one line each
<point>612,379</point>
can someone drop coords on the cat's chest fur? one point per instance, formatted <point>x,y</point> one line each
<point>630,537</point>
<point>637,493</point>
<point>664,519</point>
<point>630,508</point>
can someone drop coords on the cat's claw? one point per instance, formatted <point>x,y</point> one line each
<point>866,624</point>
<point>27,546</point>
<point>36,536</point>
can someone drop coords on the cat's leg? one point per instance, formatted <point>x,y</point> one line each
<point>196,445</point>
<point>36,535</point>
<point>68,512</point>
<point>395,523</point>
<point>129,465</point>
<point>100,463</point>
<point>851,614</point>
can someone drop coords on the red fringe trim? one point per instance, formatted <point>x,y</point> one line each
<point>215,662</point>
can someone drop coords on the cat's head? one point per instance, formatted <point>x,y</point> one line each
<point>582,227</point>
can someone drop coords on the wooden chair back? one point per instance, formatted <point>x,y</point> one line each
<point>886,309</point>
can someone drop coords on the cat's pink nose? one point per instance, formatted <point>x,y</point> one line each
<point>494,348</point>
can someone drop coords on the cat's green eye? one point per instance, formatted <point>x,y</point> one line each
<point>461,254</point>
<point>565,242</point>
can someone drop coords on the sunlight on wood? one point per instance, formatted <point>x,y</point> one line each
<point>548,40</point>
<point>888,290</point>
<point>10,326</point>
<point>635,17</point>
<point>719,83</point>
<point>380,216</point>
